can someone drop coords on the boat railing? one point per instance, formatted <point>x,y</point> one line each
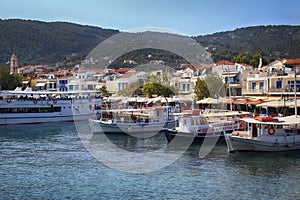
<point>129,119</point>
<point>28,99</point>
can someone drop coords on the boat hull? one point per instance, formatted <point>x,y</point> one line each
<point>216,137</point>
<point>99,126</point>
<point>272,145</point>
<point>29,119</point>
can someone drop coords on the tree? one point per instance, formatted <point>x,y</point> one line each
<point>9,81</point>
<point>155,79</point>
<point>215,85</point>
<point>201,89</point>
<point>103,91</point>
<point>255,60</point>
<point>241,58</point>
<point>165,79</point>
<point>151,89</point>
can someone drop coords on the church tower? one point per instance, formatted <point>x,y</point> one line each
<point>14,64</point>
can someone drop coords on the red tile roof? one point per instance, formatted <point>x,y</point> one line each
<point>122,70</point>
<point>224,62</point>
<point>127,75</point>
<point>295,61</point>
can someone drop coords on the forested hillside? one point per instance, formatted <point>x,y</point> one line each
<point>36,42</point>
<point>41,42</point>
<point>269,41</point>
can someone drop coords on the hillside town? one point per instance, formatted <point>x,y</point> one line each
<point>273,80</point>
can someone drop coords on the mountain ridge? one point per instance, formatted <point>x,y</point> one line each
<point>272,41</point>
<point>38,42</point>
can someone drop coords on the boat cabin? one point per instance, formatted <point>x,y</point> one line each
<point>267,126</point>
<point>149,115</point>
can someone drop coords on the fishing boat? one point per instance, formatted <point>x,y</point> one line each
<point>133,121</point>
<point>266,134</point>
<point>28,107</point>
<point>204,126</point>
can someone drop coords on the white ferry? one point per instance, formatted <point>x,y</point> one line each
<point>22,107</point>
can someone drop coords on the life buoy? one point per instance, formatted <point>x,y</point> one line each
<point>35,101</point>
<point>271,130</point>
<point>8,100</point>
<point>242,125</point>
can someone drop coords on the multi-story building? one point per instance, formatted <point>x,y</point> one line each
<point>232,75</point>
<point>276,79</point>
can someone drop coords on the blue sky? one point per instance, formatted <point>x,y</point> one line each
<point>189,17</point>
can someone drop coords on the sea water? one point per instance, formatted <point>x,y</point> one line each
<point>49,161</point>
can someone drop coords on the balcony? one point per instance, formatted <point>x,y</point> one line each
<point>285,90</point>
<point>254,91</point>
<point>235,84</point>
<point>257,76</point>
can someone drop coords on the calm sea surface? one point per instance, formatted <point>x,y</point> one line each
<point>48,161</point>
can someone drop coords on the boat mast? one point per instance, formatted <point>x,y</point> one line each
<point>295,91</point>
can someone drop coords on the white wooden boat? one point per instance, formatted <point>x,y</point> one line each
<point>23,107</point>
<point>204,126</point>
<point>133,121</point>
<point>266,134</point>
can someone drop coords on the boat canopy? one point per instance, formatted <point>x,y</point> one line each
<point>289,120</point>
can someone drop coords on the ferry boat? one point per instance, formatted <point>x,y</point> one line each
<point>133,121</point>
<point>266,134</point>
<point>204,126</point>
<point>22,107</point>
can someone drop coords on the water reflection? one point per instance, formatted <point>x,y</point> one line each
<point>36,131</point>
<point>265,163</point>
<point>130,143</point>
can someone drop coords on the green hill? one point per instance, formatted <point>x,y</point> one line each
<point>269,41</point>
<point>36,42</point>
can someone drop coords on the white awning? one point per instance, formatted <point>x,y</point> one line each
<point>280,103</point>
<point>210,100</point>
<point>25,82</point>
<point>40,84</point>
<point>229,75</point>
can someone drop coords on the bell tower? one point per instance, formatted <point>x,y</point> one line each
<point>14,64</point>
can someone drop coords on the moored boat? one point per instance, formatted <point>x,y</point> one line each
<point>204,127</point>
<point>28,107</point>
<point>133,121</point>
<point>266,134</point>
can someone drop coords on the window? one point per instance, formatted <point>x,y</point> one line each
<point>157,113</point>
<point>278,84</point>
<point>261,85</point>
<point>253,86</point>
